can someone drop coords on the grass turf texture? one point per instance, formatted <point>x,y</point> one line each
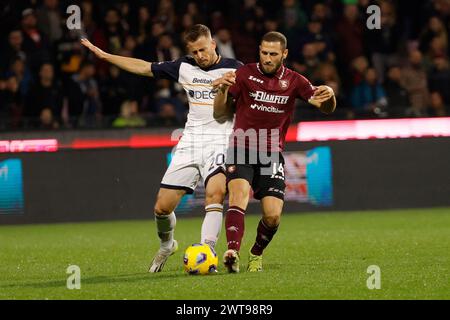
<point>313,256</point>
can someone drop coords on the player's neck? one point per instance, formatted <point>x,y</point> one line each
<point>216,59</point>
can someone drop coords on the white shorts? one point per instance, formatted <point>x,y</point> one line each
<point>194,161</point>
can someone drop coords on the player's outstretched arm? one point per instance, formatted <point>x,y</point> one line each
<point>137,66</point>
<point>223,104</point>
<point>324,99</point>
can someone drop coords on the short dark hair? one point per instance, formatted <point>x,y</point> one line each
<point>195,32</point>
<point>274,36</point>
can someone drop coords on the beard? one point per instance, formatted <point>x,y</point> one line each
<point>272,68</point>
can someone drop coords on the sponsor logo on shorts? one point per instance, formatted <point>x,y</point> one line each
<point>276,190</point>
<point>231,169</point>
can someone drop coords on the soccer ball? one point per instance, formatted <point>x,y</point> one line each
<point>200,259</point>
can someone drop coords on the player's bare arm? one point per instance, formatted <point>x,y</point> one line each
<point>137,66</point>
<point>324,99</point>
<point>223,103</point>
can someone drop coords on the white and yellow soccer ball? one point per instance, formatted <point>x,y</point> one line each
<point>200,259</point>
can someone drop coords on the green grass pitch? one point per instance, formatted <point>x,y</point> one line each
<point>313,256</point>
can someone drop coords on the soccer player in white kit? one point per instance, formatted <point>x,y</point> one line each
<point>200,153</point>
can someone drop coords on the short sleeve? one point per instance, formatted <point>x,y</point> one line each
<point>235,90</point>
<point>167,69</point>
<point>305,89</point>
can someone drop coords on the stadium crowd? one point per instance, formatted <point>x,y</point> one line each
<point>49,81</point>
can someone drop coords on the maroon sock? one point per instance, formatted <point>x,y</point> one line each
<point>234,225</point>
<point>263,237</point>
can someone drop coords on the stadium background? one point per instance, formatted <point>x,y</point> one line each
<point>96,124</point>
<point>81,140</point>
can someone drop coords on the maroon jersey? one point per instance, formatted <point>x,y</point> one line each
<point>265,104</point>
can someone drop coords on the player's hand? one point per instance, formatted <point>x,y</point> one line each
<point>97,51</point>
<point>227,80</point>
<point>323,93</point>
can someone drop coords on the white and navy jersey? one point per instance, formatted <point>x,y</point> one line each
<point>197,83</point>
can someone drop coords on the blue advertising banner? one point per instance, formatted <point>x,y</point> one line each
<point>11,187</point>
<point>308,180</point>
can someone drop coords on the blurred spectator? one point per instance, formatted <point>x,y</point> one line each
<point>166,50</point>
<point>109,38</point>
<point>193,11</point>
<point>129,116</point>
<point>245,42</point>
<point>83,97</point>
<point>186,22</point>
<point>224,44</point>
<point>69,55</point>
<point>35,44</point>
<point>437,106</point>
<point>414,80</point>
<point>142,25</point>
<point>308,62</point>
<point>167,115</point>
<point>11,102</point>
<point>359,68</point>
<point>434,29</point>
<point>270,25</point>
<point>47,121</point>
<point>439,78</point>
<point>437,49</point>
<point>45,94</point>
<point>369,98</point>
<point>383,43</point>
<point>292,16</point>
<point>22,74</point>
<point>88,19</point>
<point>349,31</point>
<point>13,50</point>
<point>166,14</point>
<point>292,20</point>
<point>49,20</point>
<point>398,99</point>
<point>321,12</point>
<point>321,41</point>
<point>327,41</point>
<point>116,88</point>
<point>326,72</point>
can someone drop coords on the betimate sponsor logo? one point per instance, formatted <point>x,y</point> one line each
<point>264,108</point>
<point>262,96</point>
<point>202,81</point>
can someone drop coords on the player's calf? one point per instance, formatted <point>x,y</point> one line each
<point>212,224</point>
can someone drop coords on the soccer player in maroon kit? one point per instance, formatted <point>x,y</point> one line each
<point>263,95</point>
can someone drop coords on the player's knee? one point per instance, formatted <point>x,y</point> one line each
<point>272,220</point>
<point>238,196</point>
<point>215,196</point>
<point>161,210</point>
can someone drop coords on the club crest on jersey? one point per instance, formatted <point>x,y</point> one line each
<point>284,84</point>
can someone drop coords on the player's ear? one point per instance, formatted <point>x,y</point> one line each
<point>285,53</point>
<point>213,44</point>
